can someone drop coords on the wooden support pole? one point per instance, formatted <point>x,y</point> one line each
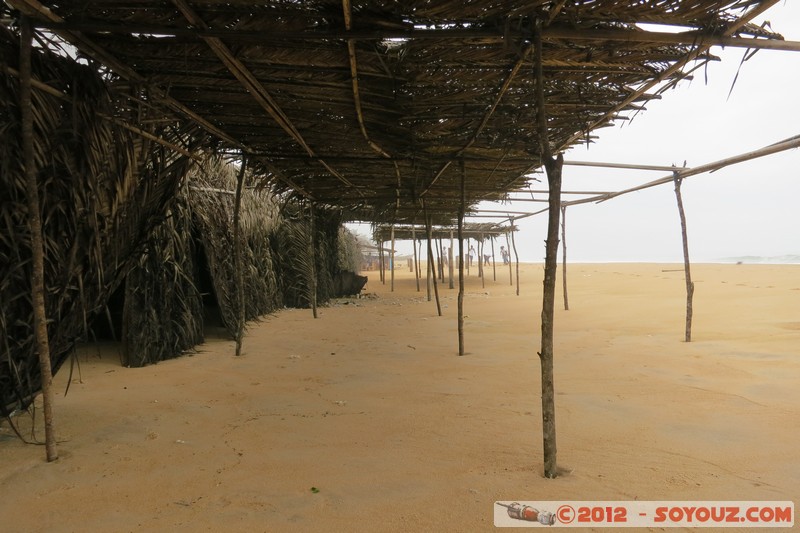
<point>450,265</point>
<point>37,239</point>
<point>439,259</point>
<point>461,209</point>
<point>564,254</point>
<point>313,251</point>
<point>516,255</point>
<point>419,254</point>
<point>428,263</point>
<point>428,226</point>
<point>508,254</point>
<point>391,262</point>
<point>686,264</point>
<point>416,257</point>
<point>494,262</point>
<point>481,270</point>
<point>466,258</point>
<point>553,168</point>
<point>237,257</point>
<point>380,261</point>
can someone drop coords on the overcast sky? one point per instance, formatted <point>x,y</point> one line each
<point>749,209</point>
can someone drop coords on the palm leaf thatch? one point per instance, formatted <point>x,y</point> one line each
<point>163,308</point>
<point>349,256</point>
<point>306,263</point>
<point>102,189</point>
<point>212,203</point>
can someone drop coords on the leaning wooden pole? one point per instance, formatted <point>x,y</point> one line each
<point>553,168</point>
<point>237,258</point>
<point>461,210</point>
<point>564,254</point>
<point>416,257</point>
<point>37,240</point>
<point>428,227</point>
<point>686,264</point>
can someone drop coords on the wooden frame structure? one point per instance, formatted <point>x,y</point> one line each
<point>381,108</point>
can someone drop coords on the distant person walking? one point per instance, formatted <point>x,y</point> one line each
<point>471,254</point>
<point>504,255</point>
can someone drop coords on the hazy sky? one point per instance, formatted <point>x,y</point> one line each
<point>748,209</point>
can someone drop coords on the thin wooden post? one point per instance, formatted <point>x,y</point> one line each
<point>516,255</point>
<point>430,254</point>
<point>481,270</point>
<point>419,253</point>
<point>494,261</point>
<point>439,257</point>
<point>428,264</point>
<point>564,254</point>
<point>508,254</point>
<point>313,252</point>
<point>237,257</point>
<point>391,262</point>
<point>432,275</point>
<point>380,261</point>
<point>466,256</point>
<point>686,263</point>
<point>37,239</point>
<point>553,168</point>
<point>461,210</point>
<point>416,257</point>
<point>450,265</point>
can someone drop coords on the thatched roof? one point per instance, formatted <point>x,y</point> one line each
<point>384,232</point>
<point>374,106</point>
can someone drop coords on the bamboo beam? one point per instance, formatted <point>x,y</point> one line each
<point>351,53</point>
<point>551,33</point>
<point>618,165</point>
<point>45,16</point>
<point>780,146</point>
<point>503,88</point>
<point>38,288</point>
<point>256,89</point>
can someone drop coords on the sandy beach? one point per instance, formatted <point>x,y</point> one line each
<point>366,419</point>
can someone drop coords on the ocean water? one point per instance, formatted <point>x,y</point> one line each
<point>764,260</point>
<point>790,259</point>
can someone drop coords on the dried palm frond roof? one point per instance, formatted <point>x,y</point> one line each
<point>375,106</point>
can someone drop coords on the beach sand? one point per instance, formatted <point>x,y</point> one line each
<point>366,419</point>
